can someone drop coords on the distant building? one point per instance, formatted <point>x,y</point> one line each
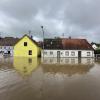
<point>26,47</point>
<point>67,47</point>
<point>95,45</point>
<point>7,45</point>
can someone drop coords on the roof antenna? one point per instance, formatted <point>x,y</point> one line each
<point>29,32</point>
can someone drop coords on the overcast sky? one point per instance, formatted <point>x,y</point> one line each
<point>75,18</point>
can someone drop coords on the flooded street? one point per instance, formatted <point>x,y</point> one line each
<point>49,79</point>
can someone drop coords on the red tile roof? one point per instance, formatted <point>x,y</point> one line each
<point>77,44</point>
<point>67,44</point>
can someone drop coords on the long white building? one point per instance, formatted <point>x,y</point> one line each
<point>67,47</point>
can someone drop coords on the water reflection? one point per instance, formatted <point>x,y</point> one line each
<point>69,66</point>
<point>6,63</point>
<point>51,80</point>
<point>25,66</point>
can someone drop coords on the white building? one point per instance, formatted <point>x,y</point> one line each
<point>94,46</point>
<point>77,48</point>
<point>6,45</point>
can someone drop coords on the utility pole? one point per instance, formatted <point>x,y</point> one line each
<point>43,39</point>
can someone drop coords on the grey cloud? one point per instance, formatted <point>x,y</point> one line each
<point>76,18</point>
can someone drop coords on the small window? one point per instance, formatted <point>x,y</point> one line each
<point>67,53</point>
<point>51,53</point>
<point>88,53</point>
<point>51,42</point>
<point>72,53</point>
<point>25,43</point>
<point>45,53</point>
<point>30,52</point>
<point>8,52</point>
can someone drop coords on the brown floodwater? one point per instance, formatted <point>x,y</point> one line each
<point>49,79</point>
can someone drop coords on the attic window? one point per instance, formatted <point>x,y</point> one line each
<point>25,43</point>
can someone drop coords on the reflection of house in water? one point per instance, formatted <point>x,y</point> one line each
<point>25,66</point>
<point>67,61</point>
<point>6,63</point>
<point>67,66</point>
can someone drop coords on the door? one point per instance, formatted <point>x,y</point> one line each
<point>58,54</point>
<point>79,54</point>
<point>8,52</point>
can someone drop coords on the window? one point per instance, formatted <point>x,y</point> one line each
<point>45,53</point>
<point>88,53</point>
<point>30,52</point>
<point>67,53</point>
<point>8,52</point>
<point>72,53</point>
<point>51,53</point>
<point>25,43</point>
<point>51,42</point>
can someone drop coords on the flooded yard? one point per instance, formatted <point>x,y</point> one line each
<point>49,79</point>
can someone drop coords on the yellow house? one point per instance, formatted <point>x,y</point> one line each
<point>26,47</point>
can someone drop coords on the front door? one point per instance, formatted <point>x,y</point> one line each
<point>79,54</point>
<point>8,52</point>
<point>58,54</point>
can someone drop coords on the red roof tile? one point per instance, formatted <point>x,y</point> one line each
<point>67,44</point>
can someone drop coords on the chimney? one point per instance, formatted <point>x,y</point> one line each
<point>31,37</point>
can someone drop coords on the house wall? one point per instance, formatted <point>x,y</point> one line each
<point>63,53</point>
<point>23,51</point>
<point>5,49</point>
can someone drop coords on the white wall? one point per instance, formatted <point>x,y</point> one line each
<point>94,46</point>
<point>62,53</point>
<point>5,49</point>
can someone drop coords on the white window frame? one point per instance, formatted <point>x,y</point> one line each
<point>72,53</point>
<point>45,52</point>
<point>88,54</point>
<point>67,53</point>
<point>51,52</point>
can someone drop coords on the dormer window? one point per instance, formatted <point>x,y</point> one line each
<point>25,43</point>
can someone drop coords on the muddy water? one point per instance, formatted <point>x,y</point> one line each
<point>49,79</point>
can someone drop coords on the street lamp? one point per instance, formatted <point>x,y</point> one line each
<point>43,39</point>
